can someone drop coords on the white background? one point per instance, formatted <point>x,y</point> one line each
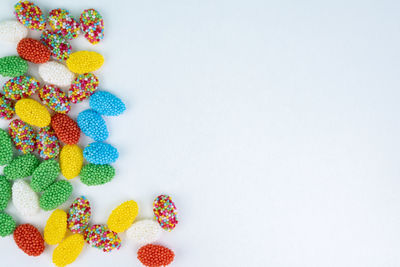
<point>274,125</point>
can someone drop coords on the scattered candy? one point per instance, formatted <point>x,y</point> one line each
<point>68,250</point>
<point>101,237</point>
<point>63,23</point>
<point>55,195</point>
<point>13,66</point>
<point>59,48</point>
<point>21,166</point>
<point>32,112</point>
<point>24,198</point>
<point>23,136</point>
<point>84,61</point>
<point>144,232</point>
<point>92,25</point>
<point>44,175</point>
<point>6,149</point>
<point>30,15</point>
<point>79,215</point>
<point>20,87</point>
<point>107,104</point>
<point>71,160</point>
<point>6,108</point>
<point>165,212</point>
<point>155,255</point>
<point>29,239</point>
<point>56,73</point>
<point>56,227</point>
<point>47,143</point>
<point>5,192</point>
<point>83,87</point>
<point>100,153</point>
<point>33,51</point>
<point>92,124</point>
<point>66,129</point>
<point>7,224</point>
<point>92,174</point>
<point>55,99</point>
<point>12,31</point>
<point>122,217</point>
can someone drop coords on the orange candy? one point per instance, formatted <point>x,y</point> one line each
<point>33,51</point>
<point>155,255</point>
<point>29,239</point>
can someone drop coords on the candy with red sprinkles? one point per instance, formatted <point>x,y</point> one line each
<point>20,87</point>
<point>101,237</point>
<point>165,212</point>
<point>83,87</point>
<point>33,51</point>
<point>155,255</point>
<point>30,15</point>
<point>22,135</point>
<point>48,144</point>
<point>66,129</point>
<point>63,23</point>
<point>7,110</point>
<point>54,98</point>
<point>29,239</point>
<point>79,215</point>
<point>60,48</point>
<point>92,25</point>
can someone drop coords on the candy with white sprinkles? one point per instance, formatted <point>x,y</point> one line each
<point>165,212</point>
<point>12,31</point>
<point>13,66</point>
<point>101,237</point>
<point>24,199</point>
<point>20,87</point>
<point>63,23</point>
<point>60,48</point>
<point>55,98</point>
<point>44,175</point>
<point>56,73</point>
<point>21,167</point>
<point>92,174</point>
<point>92,25</point>
<point>6,148</point>
<point>5,192</point>
<point>100,153</point>
<point>30,15</point>
<point>23,136</point>
<point>79,215</point>
<point>7,110</point>
<point>144,232</point>
<point>48,144</point>
<point>107,104</point>
<point>7,224</point>
<point>55,195</point>
<point>83,87</point>
<point>92,124</point>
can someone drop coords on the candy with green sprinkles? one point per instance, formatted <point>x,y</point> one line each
<point>6,108</point>
<point>13,66</point>
<point>7,224</point>
<point>5,192</point>
<point>6,149</point>
<point>55,195</point>
<point>45,175</point>
<point>93,174</point>
<point>20,167</point>
<point>20,87</point>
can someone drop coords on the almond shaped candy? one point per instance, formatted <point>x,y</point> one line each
<point>48,144</point>
<point>5,192</point>
<point>33,51</point>
<point>100,153</point>
<point>144,232</point>
<point>32,112</point>
<point>12,31</point>
<point>83,87</point>
<point>84,61</point>
<point>107,104</point>
<point>56,227</point>
<point>44,175</point>
<point>68,250</point>
<point>54,98</point>
<point>71,161</point>
<point>6,148</point>
<point>92,25</point>
<point>21,167</point>
<point>23,136</point>
<point>92,174</point>
<point>7,224</point>
<point>165,212</point>
<point>29,240</point>
<point>63,23</point>
<point>13,66</point>
<point>122,217</point>
<point>24,198</point>
<point>92,124</point>
<point>30,15</point>
<point>67,130</point>
<point>55,195</point>
<point>56,73</point>
<point>101,237</point>
<point>60,48</point>
<point>6,108</point>
<point>155,255</point>
<point>20,87</point>
<point>79,215</point>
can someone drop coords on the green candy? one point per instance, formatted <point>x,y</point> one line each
<point>55,195</point>
<point>7,224</point>
<point>20,167</point>
<point>5,192</point>
<point>6,149</point>
<point>45,175</point>
<point>13,66</point>
<point>93,174</point>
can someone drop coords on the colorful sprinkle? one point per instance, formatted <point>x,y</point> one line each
<point>23,136</point>
<point>6,108</point>
<point>20,87</point>
<point>83,87</point>
<point>54,98</point>
<point>92,25</point>
<point>101,237</point>
<point>165,212</point>
<point>47,143</point>
<point>59,48</point>
<point>79,215</point>
<point>63,23</point>
<point>30,15</point>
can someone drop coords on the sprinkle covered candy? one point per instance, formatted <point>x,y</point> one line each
<point>12,31</point>
<point>83,87</point>
<point>122,217</point>
<point>68,250</point>
<point>101,237</point>
<point>79,215</point>
<point>66,129</point>
<point>24,199</point>
<point>32,112</point>
<point>165,212</point>
<point>63,23</point>
<point>5,192</point>
<point>44,175</point>
<point>33,51</point>
<point>30,15</point>
<point>29,239</point>
<point>92,25</point>
<point>6,108</point>
<point>84,61</point>
<point>7,224</point>
<point>56,227</point>
<point>100,153</point>
<point>71,160</point>
<point>107,104</point>
<point>59,48</point>
<point>13,66</point>
<point>155,255</point>
<point>20,87</point>
<point>55,195</point>
<point>54,98</point>
<point>92,174</point>
<point>21,167</point>
<point>6,148</point>
<point>47,143</point>
<point>22,135</point>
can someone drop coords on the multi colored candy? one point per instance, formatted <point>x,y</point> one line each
<point>20,87</point>
<point>55,195</point>
<point>60,48</point>
<point>100,153</point>
<point>23,136</point>
<point>92,25</point>
<point>165,212</point>
<point>79,215</point>
<point>101,237</point>
<point>29,240</point>
<point>6,108</point>
<point>12,31</point>
<point>107,104</point>
<point>13,66</point>
<point>63,23</point>
<point>56,227</point>
<point>83,87</point>
<point>92,124</point>
<point>24,199</point>
<point>122,217</point>
<point>30,15</point>
<point>56,73</point>
<point>48,144</point>
<point>33,51</point>
<point>54,98</point>
<point>32,112</point>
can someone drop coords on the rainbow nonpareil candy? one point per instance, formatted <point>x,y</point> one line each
<point>99,236</point>
<point>63,23</point>
<point>59,48</point>
<point>92,25</point>
<point>54,98</point>
<point>79,215</point>
<point>83,87</point>
<point>30,15</point>
<point>23,136</point>
<point>47,143</point>
<point>165,212</point>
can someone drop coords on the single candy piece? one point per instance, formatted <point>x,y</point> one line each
<point>92,174</point>
<point>6,108</point>
<point>23,136</point>
<point>100,153</point>
<point>107,104</point>
<point>24,199</point>
<point>21,166</point>
<point>7,224</point>
<point>71,160</point>
<point>5,192</point>
<point>56,227</point>
<point>55,99</point>
<point>13,66</point>
<point>101,237</point>
<point>44,175</point>
<point>84,61</point>
<point>165,212</point>
<point>56,73</point>
<point>12,31</point>
<point>144,232</point>
<point>83,87</point>
<point>122,217</point>
<point>79,215</point>
<point>20,87</point>
<point>92,124</point>
<point>47,143</point>
<point>32,112</point>
<point>55,195</point>
<point>92,25</point>
<point>59,48</point>
<point>63,23</point>
<point>68,250</point>
<point>66,129</point>
<point>155,255</point>
<point>30,15</point>
<point>33,51</point>
<point>6,149</point>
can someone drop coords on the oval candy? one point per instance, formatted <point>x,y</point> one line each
<point>55,99</point>
<point>32,112</point>
<point>71,161</point>
<point>55,195</point>
<point>21,167</point>
<point>24,198</point>
<point>60,48</point>
<point>56,227</point>
<point>13,66</point>
<point>92,25</point>
<point>44,175</point>
<point>122,217</point>
<point>92,124</point>
<point>29,239</point>
<point>63,23</point>
<point>66,129</point>
<point>101,237</point>
<point>12,31</point>
<point>30,15</point>
<point>7,224</point>
<point>5,192</point>
<point>79,215</point>
<point>68,250</point>
<point>155,255</point>
<point>33,51</point>
<point>20,87</point>
<point>6,148</point>
<point>92,174</point>
<point>83,87</point>
<point>6,108</point>
<point>48,144</point>
<point>107,104</point>
<point>100,153</point>
<point>144,232</point>
<point>84,61</point>
<point>56,73</point>
<point>165,212</point>
<point>23,136</point>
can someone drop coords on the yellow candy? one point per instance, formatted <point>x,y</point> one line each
<point>71,160</point>
<point>55,228</point>
<point>84,61</point>
<point>32,112</point>
<point>122,217</point>
<point>67,252</point>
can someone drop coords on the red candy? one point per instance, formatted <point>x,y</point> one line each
<point>155,255</point>
<point>67,130</point>
<point>29,239</point>
<point>33,51</point>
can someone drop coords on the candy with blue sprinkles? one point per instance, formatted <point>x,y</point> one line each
<point>92,125</point>
<point>107,104</point>
<point>100,153</point>
<point>23,136</point>
<point>48,144</point>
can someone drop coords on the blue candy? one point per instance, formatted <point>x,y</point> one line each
<point>100,153</point>
<point>106,104</point>
<point>93,125</point>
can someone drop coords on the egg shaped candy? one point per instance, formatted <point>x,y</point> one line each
<point>100,153</point>
<point>101,237</point>
<point>165,212</point>
<point>13,66</point>
<point>122,217</point>
<point>144,232</point>
<point>67,130</point>
<point>23,136</point>
<point>21,167</point>
<point>55,195</point>
<point>92,174</point>
<point>6,108</point>
<point>79,215</point>
<point>71,160</point>
<point>29,240</point>
<point>48,144</point>
<point>63,23</point>
<point>60,48</point>
<point>12,31</point>
<point>68,250</point>
<point>20,87</point>
<point>83,87</point>
<point>84,61</point>
<point>55,99</point>
<point>56,73</point>
<point>107,104</point>
<point>7,224</point>
<point>30,15</point>
<point>44,175</point>
<point>155,255</point>
<point>24,198</point>
<point>33,51</point>
<point>56,227</point>
<point>32,112</point>
<point>5,192</point>
<point>92,25</point>
<point>6,148</point>
<point>92,124</point>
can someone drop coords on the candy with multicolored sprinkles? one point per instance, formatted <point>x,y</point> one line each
<point>23,136</point>
<point>48,144</point>
<point>83,87</point>
<point>54,98</point>
<point>79,215</point>
<point>30,15</point>
<point>92,25</point>
<point>101,237</point>
<point>7,110</point>
<point>61,21</point>
<point>60,48</point>
<point>165,212</point>
<point>20,87</point>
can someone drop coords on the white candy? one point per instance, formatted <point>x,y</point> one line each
<point>56,73</point>
<point>12,31</point>
<point>144,232</point>
<point>24,198</point>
